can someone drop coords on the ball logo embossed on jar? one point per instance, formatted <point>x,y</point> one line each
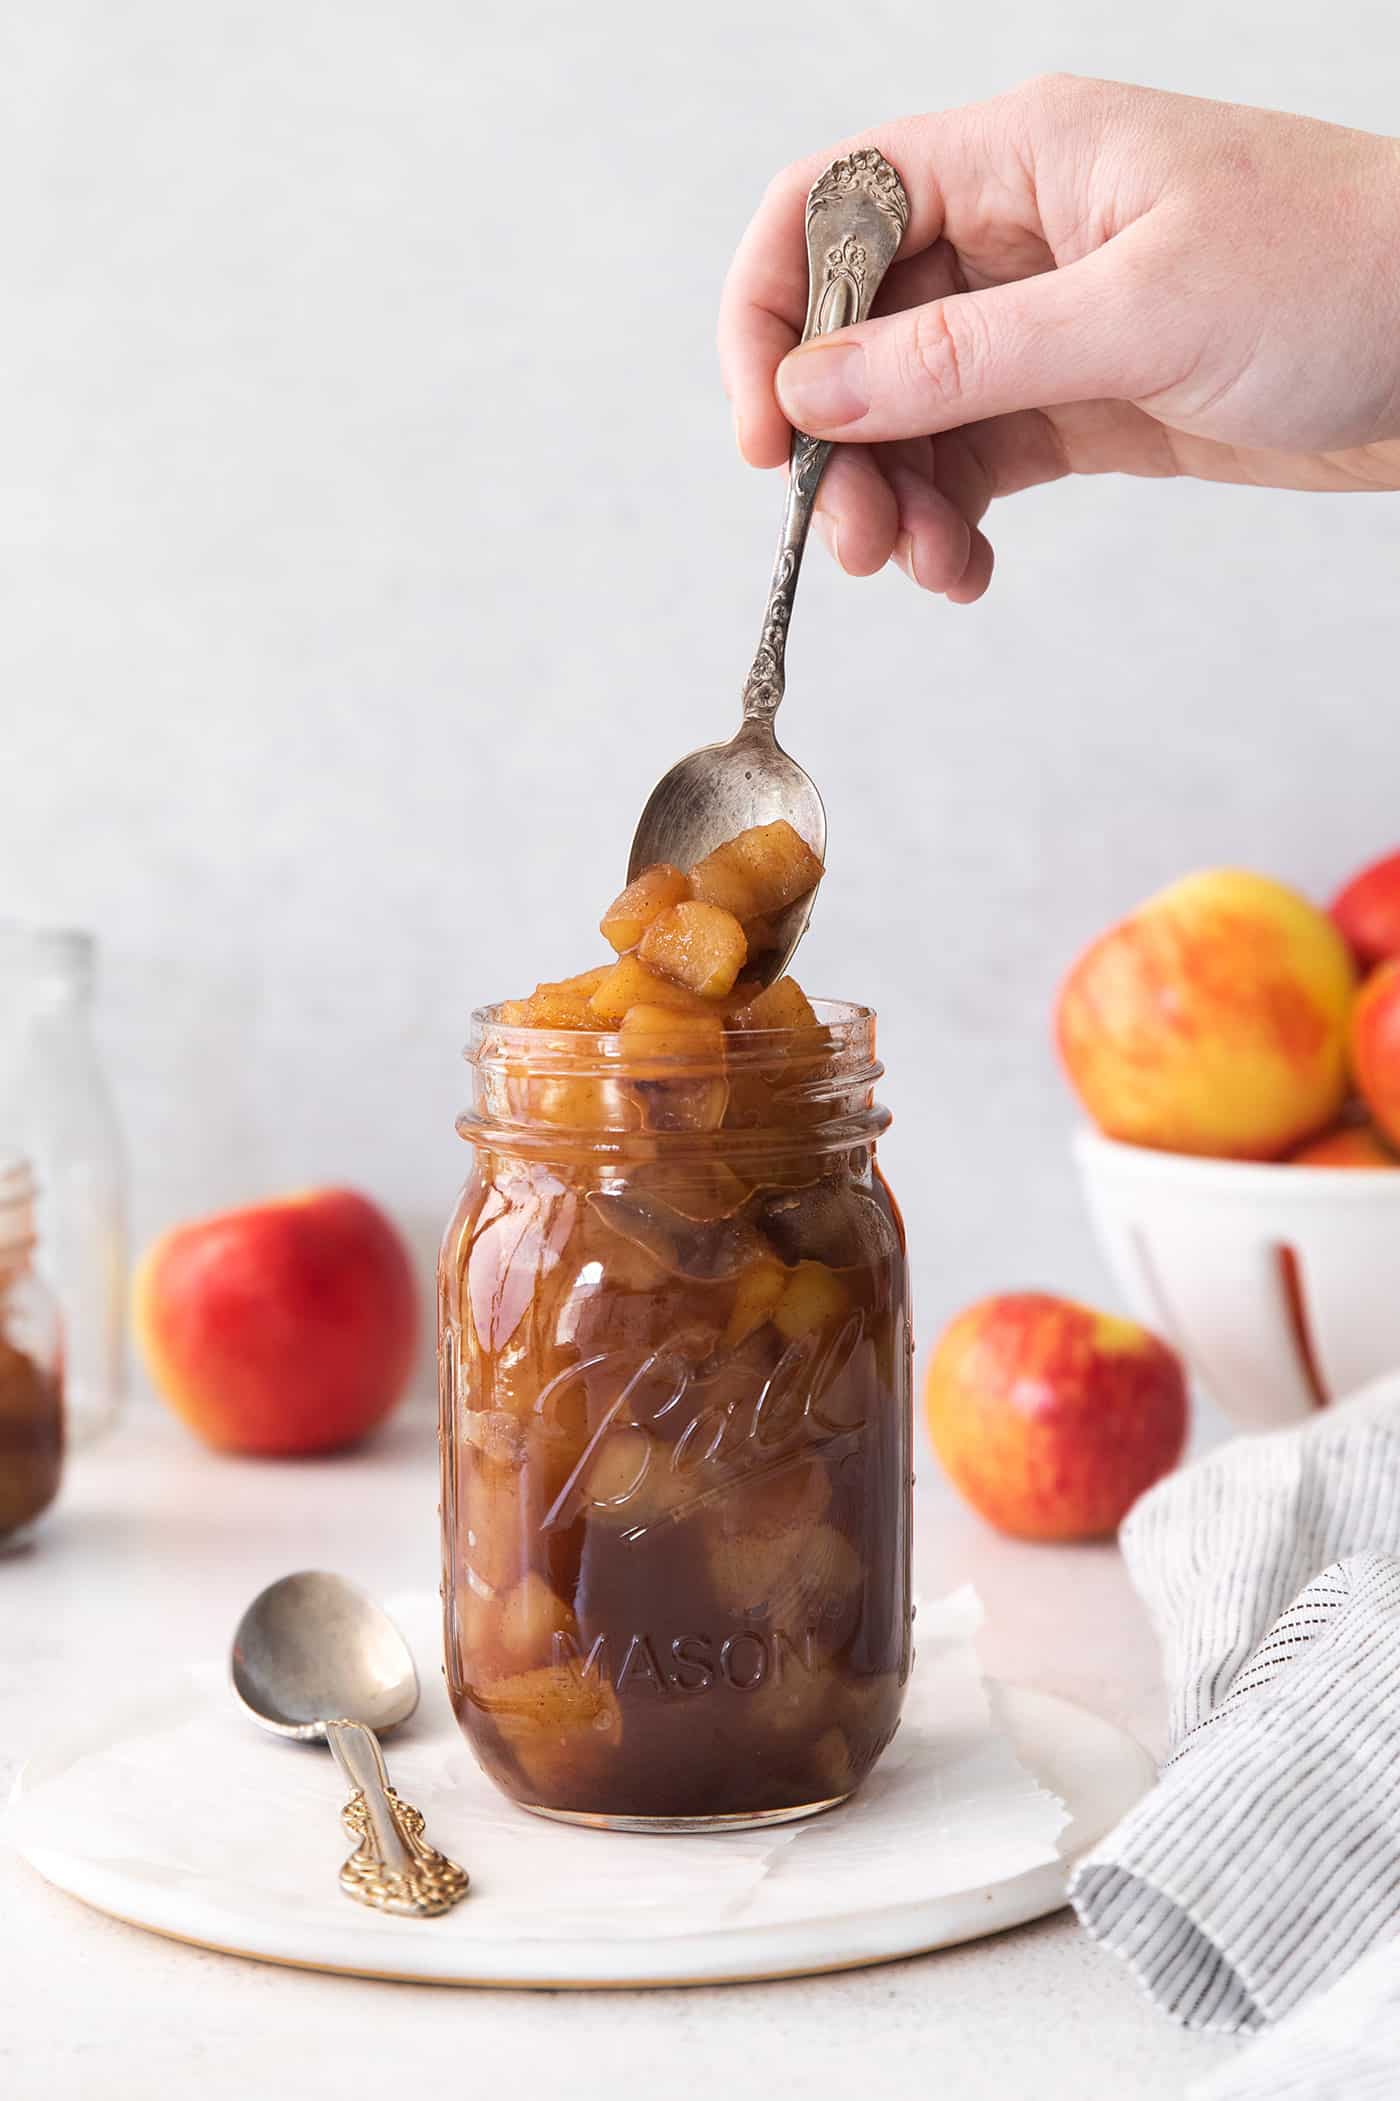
<point>793,1414</point>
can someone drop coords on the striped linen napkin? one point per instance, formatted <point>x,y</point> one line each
<point>1266,1862</point>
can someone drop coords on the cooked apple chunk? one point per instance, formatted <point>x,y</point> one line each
<point>698,945</point>
<point>760,1286</point>
<point>630,914</point>
<point>723,879</point>
<point>677,1061</point>
<point>779,862</point>
<point>628,983</point>
<point>758,1536</point>
<point>564,1004</point>
<point>761,871</point>
<point>528,1619</point>
<point>549,1718</point>
<point>669,1033</point>
<point>813,1297</point>
<point>783,1005</point>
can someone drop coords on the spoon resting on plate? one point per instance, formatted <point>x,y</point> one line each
<point>314,1658</point>
<point>856,215</point>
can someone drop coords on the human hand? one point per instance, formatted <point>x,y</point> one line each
<point>1094,279</point>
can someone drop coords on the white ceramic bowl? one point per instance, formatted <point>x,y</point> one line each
<point>1280,1286</point>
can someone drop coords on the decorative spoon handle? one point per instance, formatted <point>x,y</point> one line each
<point>856,215</point>
<point>392,1867</point>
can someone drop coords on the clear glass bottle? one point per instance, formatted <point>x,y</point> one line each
<point>56,1108</point>
<point>675,1383</point>
<point>31,1389</point>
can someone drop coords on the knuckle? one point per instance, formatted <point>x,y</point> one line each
<point>945,351</point>
<point>1057,90</point>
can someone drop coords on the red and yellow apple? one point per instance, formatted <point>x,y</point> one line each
<point>289,1326</point>
<point>1051,1419</point>
<point>1211,1020</point>
<point>1367,910</point>
<point>1350,1145</point>
<point>1375,1047</point>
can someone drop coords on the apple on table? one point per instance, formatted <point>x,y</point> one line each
<point>1051,1418</point>
<point>289,1326</point>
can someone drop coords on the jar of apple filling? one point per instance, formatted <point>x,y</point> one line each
<point>31,1389</point>
<point>675,1387</point>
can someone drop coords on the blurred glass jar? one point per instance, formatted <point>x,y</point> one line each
<point>31,1389</point>
<point>56,1109</point>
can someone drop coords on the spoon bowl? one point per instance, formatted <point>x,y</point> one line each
<point>856,215</point>
<point>313,1648</point>
<point>721,790</point>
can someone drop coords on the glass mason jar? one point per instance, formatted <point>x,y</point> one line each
<point>675,1391</point>
<point>55,1106</point>
<point>31,1388</point>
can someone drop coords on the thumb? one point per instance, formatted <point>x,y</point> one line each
<point>1098,328</point>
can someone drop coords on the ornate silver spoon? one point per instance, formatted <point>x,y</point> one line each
<point>856,215</point>
<point>314,1657</point>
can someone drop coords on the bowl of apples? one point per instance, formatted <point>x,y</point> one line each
<point>1237,1049</point>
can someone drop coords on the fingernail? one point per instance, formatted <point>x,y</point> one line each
<point>830,537</point>
<point>823,385</point>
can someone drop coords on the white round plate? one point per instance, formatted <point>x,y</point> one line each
<point>176,1816</point>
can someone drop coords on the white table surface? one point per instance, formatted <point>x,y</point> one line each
<point>149,1557</point>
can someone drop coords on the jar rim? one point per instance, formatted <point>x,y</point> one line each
<point>833,1079</point>
<point>847,1020</point>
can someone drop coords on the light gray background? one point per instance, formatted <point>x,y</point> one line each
<point>373,536</point>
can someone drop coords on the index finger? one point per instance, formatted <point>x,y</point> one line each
<point>765,292</point>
